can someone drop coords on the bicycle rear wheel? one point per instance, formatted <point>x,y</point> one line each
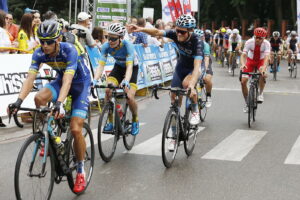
<point>170,138</point>
<point>128,138</point>
<point>88,158</point>
<point>191,136</point>
<point>275,70</point>
<point>295,70</point>
<point>107,139</point>
<point>29,182</point>
<point>202,104</point>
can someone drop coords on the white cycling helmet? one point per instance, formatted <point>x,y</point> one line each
<point>229,31</point>
<point>117,29</point>
<point>294,33</point>
<point>186,21</point>
<point>288,32</point>
<point>198,32</point>
<point>276,34</point>
<point>235,31</point>
<point>207,31</point>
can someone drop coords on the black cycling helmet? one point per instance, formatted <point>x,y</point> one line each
<point>49,30</point>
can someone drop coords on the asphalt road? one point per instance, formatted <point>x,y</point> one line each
<point>230,161</point>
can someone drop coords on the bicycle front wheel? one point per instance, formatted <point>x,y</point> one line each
<point>107,133</point>
<point>128,138</point>
<point>29,180</point>
<point>250,105</point>
<point>275,70</point>
<point>295,70</point>
<point>89,157</point>
<point>170,138</point>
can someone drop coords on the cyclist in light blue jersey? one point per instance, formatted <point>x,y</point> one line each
<point>125,70</point>
<point>73,78</point>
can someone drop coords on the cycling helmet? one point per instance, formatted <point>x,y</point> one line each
<point>223,30</point>
<point>49,30</point>
<point>235,31</point>
<point>288,32</point>
<point>260,32</point>
<point>198,32</point>
<point>229,31</point>
<point>276,34</point>
<point>294,33</point>
<point>207,31</point>
<point>117,29</point>
<point>186,21</point>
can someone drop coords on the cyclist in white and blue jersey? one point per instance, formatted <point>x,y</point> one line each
<point>125,70</point>
<point>73,77</point>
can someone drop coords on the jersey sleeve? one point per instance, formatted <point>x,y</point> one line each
<point>35,62</point>
<point>170,34</point>
<point>247,47</point>
<point>130,52</point>
<point>71,60</point>
<point>104,54</point>
<point>268,47</point>
<point>199,50</point>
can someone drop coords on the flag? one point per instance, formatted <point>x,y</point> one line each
<point>178,8</point>
<point>172,8</point>
<point>3,5</point>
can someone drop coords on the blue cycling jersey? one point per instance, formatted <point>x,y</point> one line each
<point>189,50</point>
<point>67,61</point>
<point>123,55</point>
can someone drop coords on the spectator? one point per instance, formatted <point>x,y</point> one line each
<point>50,15</point>
<point>141,38</point>
<point>149,22</point>
<point>98,35</point>
<point>25,36</point>
<point>4,35</point>
<point>133,20</point>
<point>82,30</point>
<point>128,35</point>
<point>1,123</point>
<point>12,28</point>
<point>36,21</point>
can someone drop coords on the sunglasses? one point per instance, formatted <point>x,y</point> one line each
<point>106,36</point>
<point>8,18</point>
<point>48,42</point>
<point>113,39</point>
<point>181,32</point>
<point>260,38</point>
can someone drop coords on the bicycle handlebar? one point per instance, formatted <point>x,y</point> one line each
<point>178,91</point>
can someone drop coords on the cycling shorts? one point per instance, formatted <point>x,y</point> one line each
<point>79,92</point>
<point>117,75</point>
<point>232,47</point>
<point>275,49</point>
<point>251,65</point>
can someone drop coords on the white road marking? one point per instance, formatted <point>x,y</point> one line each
<point>236,146</point>
<point>293,157</point>
<point>151,146</point>
<point>265,91</point>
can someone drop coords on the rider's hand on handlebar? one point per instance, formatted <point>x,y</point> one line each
<point>14,107</point>
<point>125,84</point>
<point>193,91</point>
<point>58,110</point>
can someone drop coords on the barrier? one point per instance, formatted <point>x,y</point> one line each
<point>156,65</point>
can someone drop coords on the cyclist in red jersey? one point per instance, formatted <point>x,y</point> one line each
<point>255,56</point>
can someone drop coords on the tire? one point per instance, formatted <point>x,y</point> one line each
<point>23,188</point>
<point>295,70</point>
<point>168,156</point>
<point>128,139</point>
<point>88,160</point>
<point>191,136</point>
<point>202,104</point>
<point>107,141</point>
<point>250,105</point>
<point>89,115</point>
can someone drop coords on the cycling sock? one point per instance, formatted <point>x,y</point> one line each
<point>208,94</point>
<point>135,118</point>
<point>80,167</point>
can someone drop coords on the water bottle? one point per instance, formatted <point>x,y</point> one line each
<point>120,111</point>
<point>68,105</point>
<point>60,149</point>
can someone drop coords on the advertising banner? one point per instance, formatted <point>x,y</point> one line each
<point>110,10</point>
<point>165,62</point>
<point>166,13</point>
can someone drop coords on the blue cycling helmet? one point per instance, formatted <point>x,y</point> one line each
<point>186,21</point>
<point>199,32</point>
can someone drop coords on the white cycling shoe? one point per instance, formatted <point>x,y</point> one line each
<point>195,118</point>
<point>260,98</point>
<point>208,102</point>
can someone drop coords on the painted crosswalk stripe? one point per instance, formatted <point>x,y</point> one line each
<point>236,146</point>
<point>151,146</point>
<point>293,157</point>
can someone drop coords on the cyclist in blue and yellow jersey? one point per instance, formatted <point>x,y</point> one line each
<point>73,77</point>
<point>125,70</point>
<point>206,67</point>
<point>221,42</point>
<point>191,49</point>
